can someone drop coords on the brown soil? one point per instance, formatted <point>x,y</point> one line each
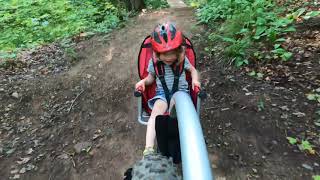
<point>247,119</point>
<point>92,103</point>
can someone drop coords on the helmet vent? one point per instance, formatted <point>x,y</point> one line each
<point>165,37</point>
<point>156,37</point>
<point>172,31</point>
<point>163,33</point>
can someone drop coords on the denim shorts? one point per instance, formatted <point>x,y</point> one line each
<point>160,95</point>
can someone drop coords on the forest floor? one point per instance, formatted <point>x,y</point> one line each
<point>74,116</point>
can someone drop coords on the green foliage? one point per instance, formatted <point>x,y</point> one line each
<point>71,53</point>
<point>196,3</point>
<point>156,4</point>
<point>314,95</point>
<point>292,140</point>
<point>317,121</point>
<point>260,105</point>
<point>280,52</point>
<point>303,145</point>
<point>221,9</point>
<point>256,75</point>
<point>28,23</point>
<point>316,177</point>
<point>311,14</point>
<point>246,23</point>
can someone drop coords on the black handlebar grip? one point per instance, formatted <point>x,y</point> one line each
<point>137,93</point>
<point>202,94</point>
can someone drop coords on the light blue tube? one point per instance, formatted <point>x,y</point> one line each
<point>195,161</point>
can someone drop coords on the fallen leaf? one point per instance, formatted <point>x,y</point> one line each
<point>16,176</point>
<point>30,167</point>
<point>24,160</point>
<point>30,150</point>
<point>284,116</point>
<point>299,114</point>
<point>15,95</point>
<point>15,171</point>
<point>254,170</point>
<point>307,167</point>
<point>23,170</point>
<point>312,151</point>
<point>10,151</point>
<point>285,108</point>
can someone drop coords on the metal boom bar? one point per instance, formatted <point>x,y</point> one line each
<point>195,162</point>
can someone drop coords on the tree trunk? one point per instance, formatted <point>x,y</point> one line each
<point>134,5</point>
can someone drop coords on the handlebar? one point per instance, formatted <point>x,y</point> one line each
<point>138,92</point>
<point>201,93</point>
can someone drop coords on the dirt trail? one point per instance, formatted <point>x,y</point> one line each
<point>92,103</point>
<point>49,113</point>
<point>176,3</point>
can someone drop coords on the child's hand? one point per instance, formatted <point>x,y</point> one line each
<point>141,85</point>
<point>195,83</point>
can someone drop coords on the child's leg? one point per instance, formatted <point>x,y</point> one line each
<point>172,103</point>
<point>159,108</point>
<point>171,109</point>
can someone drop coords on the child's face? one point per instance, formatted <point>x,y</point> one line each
<point>169,57</point>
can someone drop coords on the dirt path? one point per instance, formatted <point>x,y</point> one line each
<point>90,106</point>
<point>176,3</point>
<point>50,112</point>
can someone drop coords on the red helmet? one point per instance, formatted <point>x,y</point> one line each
<point>166,37</point>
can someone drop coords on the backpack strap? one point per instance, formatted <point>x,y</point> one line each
<point>186,45</point>
<point>160,75</point>
<point>147,45</point>
<point>177,71</point>
<point>160,72</point>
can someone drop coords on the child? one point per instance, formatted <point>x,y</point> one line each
<point>166,43</point>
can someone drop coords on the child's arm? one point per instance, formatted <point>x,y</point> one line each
<point>145,82</point>
<point>149,79</point>
<point>194,76</point>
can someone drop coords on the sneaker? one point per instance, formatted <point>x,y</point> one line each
<point>148,151</point>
